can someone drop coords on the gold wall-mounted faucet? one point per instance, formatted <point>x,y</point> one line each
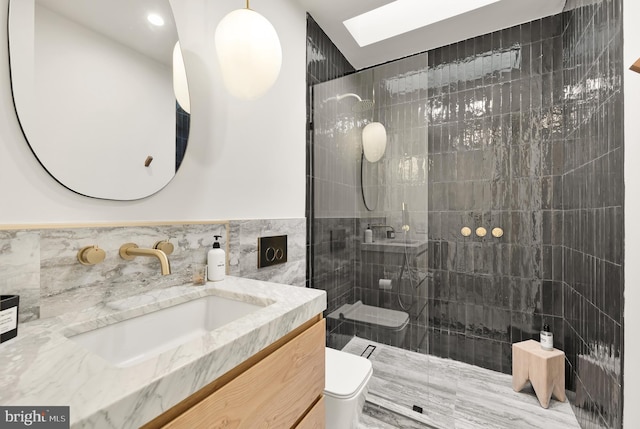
<point>129,251</point>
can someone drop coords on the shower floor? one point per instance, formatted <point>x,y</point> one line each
<point>451,394</point>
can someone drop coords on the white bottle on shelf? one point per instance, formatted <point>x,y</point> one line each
<point>368,235</point>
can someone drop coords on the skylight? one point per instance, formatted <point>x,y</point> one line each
<point>402,16</point>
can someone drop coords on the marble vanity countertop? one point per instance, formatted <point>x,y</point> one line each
<point>42,367</point>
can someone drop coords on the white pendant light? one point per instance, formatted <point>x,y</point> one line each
<point>374,141</point>
<point>249,53</point>
<point>180,88</point>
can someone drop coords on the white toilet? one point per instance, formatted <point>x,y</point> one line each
<point>346,379</point>
<point>374,323</point>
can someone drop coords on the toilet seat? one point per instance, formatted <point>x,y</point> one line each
<point>346,374</point>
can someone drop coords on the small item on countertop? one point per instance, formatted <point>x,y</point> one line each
<point>199,274</point>
<point>8,317</point>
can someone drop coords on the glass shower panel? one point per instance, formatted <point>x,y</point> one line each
<point>335,182</point>
<point>379,290</point>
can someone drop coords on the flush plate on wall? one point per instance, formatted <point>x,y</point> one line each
<point>272,250</point>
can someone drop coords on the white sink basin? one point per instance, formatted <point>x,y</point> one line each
<point>134,340</point>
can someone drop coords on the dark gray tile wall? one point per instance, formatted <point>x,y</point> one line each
<point>324,60</point>
<point>183,122</point>
<point>492,116</point>
<point>539,106</point>
<point>590,173</point>
<point>335,253</point>
<point>329,268</point>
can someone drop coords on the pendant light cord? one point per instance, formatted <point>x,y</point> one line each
<point>248,5</point>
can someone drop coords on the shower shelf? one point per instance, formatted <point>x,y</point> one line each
<point>415,247</point>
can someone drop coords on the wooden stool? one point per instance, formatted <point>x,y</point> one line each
<point>544,368</point>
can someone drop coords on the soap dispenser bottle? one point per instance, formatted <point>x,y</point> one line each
<point>216,263</point>
<point>368,235</point>
<point>546,338</point>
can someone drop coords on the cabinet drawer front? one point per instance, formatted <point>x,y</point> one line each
<point>274,393</point>
<point>315,418</point>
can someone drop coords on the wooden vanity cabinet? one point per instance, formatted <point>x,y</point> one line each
<point>279,387</point>
<point>315,418</point>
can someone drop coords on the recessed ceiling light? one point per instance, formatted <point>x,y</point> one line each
<point>155,19</point>
<point>402,16</point>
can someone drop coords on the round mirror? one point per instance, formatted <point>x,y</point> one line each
<point>93,87</point>
<point>369,183</point>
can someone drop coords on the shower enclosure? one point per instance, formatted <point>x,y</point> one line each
<point>471,129</point>
<point>506,153</point>
<point>389,196</point>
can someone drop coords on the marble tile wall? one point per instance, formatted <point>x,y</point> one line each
<point>41,264</point>
<point>244,257</point>
<point>20,266</point>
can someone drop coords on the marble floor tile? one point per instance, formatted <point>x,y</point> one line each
<point>396,415</point>
<point>369,421</point>
<point>452,394</point>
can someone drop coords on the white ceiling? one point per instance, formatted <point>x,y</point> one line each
<point>330,14</point>
<point>124,21</point>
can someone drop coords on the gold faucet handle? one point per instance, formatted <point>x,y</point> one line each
<point>165,246</point>
<point>123,251</point>
<point>91,255</point>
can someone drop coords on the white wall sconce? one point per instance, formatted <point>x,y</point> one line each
<point>374,141</point>
<point>249,53</point>
<point>180,87</point>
